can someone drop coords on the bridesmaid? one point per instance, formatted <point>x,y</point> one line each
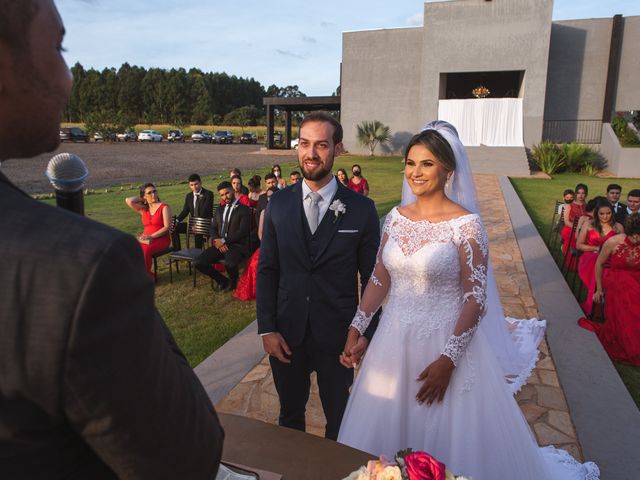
<point>590,240</point>
<point>156,218</point>
<point>575,210</point>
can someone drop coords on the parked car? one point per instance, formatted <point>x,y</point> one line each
<point>248,137</point>
<point>175,136</point>
<point>149,136</point>
<point>277,137</point>
<point>223,136</point>
<point>128,136</point>
<point>101,137</point>
<point>73,134</point>
<point>294,143</point>
<point>200,136</point>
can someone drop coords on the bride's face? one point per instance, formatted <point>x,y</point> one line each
<point>424,172</point>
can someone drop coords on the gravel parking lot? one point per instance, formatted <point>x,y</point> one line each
<point>121,163</point>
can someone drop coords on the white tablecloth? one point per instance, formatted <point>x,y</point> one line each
<point>495,122</point>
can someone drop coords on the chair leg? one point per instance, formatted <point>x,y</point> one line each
<point>171,271</point>
<point>155,270</point>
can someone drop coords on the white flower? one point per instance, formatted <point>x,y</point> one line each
<point>390,473</point>
<point>360,474</point>
<point>338,208</point>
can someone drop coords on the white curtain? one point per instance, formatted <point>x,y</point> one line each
<point>495,122</point>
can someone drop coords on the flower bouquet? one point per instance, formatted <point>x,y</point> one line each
<point>408,465</point>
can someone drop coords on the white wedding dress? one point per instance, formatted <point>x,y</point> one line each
<point>434,278</point>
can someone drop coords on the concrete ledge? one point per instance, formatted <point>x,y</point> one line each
<point>607,420</point>
<point>225,367</point>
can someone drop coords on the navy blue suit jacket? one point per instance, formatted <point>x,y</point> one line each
<point>296,291</point>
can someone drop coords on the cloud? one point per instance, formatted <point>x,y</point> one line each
<point>326,24</point>
<point>309,39</point>
<point>287,53</point>
<point>416,20</point>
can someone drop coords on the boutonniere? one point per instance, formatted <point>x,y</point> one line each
<point>338,208</point>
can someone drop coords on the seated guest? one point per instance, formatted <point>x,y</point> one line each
<point>236,171</point>
<point>343,178</point>
<point>255,190</point>
<point>567,196</point>
<point>294,177</point>
<point>576,210</point>
<point>358,183</point>
<point>633,204</point>
<point>613,196</point>
<point>270,180</point>
<point>277,171</point>
<point>156,218</point>
<point>590,240</point>
<point>230,238</point>
<point>618,287</point>
<point>246,289</point>
<point>238,194</point>
<point>197,203</point>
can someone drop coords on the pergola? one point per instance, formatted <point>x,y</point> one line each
<point>294,104</point>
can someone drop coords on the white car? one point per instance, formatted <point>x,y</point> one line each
<point>149,136</point>
<point>294,143</point>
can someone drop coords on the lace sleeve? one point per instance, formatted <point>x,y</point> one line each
<point>377,287</point>
<point>474,250</point>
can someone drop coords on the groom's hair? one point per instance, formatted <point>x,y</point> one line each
<point>324,117</point>
<point>437,144</point>
<point>15,22</point>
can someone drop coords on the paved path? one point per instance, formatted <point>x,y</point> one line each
<point>542,400</point>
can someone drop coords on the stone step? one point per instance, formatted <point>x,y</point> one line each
<point>510,161</point>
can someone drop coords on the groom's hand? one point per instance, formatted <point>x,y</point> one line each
<point>274,345</point>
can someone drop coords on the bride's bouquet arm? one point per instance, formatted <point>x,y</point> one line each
<point>473,252</point>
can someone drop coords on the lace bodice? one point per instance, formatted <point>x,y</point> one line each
<point>434,273</point>
<point>626,256</point>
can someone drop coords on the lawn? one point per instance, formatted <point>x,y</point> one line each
<point>203,320</point>
<point>538,197</point>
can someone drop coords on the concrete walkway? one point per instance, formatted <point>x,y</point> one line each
<point>542,400</point>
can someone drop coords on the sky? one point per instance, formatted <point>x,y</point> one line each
<point>282,42</point>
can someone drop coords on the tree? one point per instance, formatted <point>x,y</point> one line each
<point>244,116</point>
<point>370,134</point>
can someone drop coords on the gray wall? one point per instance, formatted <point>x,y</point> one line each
<point>380,81</point>
<point>628,94</point>
<point>476,35</point>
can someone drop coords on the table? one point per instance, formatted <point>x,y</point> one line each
<point>293,454</point>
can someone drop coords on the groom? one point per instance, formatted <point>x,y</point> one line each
<point>318,235</point>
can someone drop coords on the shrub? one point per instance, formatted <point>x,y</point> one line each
<point>626,135</point>
<point>548,157</point>
<point>579,158</point>
<point>370,134</point>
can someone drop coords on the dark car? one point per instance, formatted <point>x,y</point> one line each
<point>175,136</point>
<point>223,136</point>
<point>248,137</point>
<point>73,134</point>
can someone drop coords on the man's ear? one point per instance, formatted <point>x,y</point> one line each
<point>339,149</point>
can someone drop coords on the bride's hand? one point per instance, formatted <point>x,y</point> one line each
<point>435,378</point>
<point>353,349</point>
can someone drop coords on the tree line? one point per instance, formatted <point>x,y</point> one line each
<point>116,99</point>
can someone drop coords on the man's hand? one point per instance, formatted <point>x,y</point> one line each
<point>435,378</point>
<point>274,345</point>
<point>218,243</point>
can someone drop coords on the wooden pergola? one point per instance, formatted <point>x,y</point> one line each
<point>294,104</point>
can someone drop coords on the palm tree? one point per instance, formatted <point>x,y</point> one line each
<point>370,134</point>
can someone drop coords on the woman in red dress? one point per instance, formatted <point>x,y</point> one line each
<point>246,289</point>
<point>156,218</point>
<point>240,196</point>
<point>590,240</point>
<point>358,183</point>
<point>570,213</point>
<point>620,332</point>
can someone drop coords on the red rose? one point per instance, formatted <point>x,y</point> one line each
<point>422,466</point>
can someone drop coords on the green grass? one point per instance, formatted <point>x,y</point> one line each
<point>200,319</point>
<point>538,197</point>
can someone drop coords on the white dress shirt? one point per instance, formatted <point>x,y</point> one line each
<point>195,198</point>
<point>327,193</point>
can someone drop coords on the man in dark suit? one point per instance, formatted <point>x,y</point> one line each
<point>633,205</point>
<point>613,196</point>
<point>92,385</point>
<point>230,233</point>
<point>197,203</point>
<point>317,237</point>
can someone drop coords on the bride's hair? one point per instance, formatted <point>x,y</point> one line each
<point>437,144</point>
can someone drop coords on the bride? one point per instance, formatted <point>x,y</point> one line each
<point>440,372</point>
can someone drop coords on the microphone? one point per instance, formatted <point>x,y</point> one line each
<point>67,172</point>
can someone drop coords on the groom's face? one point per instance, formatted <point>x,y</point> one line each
<point>316,150</point>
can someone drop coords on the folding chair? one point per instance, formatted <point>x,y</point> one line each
<point>195,226</point>
<point>175,245</point>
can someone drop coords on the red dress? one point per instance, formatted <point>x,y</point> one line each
<point>358,187</point>
<point>587,265</point>
<point>620,332</point>
<point>575,211</point>
<point>153,223</point>
<point>246,289</point>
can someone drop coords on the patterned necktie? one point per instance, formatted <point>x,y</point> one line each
<point>314,211</point>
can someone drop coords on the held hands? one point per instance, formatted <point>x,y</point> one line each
<point>275,345</point>
<point>435,378</point>
<point>354,349</point>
